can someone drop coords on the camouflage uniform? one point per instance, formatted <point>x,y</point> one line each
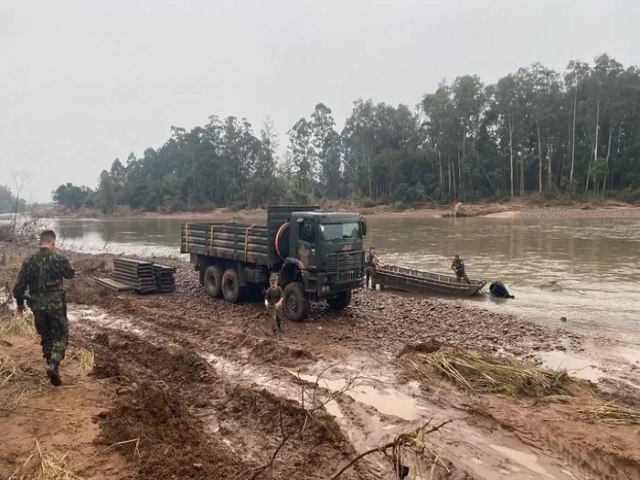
<point>458,266</point>
<point>42,274</point>
<point>370,264</point>
<point>273,296</point>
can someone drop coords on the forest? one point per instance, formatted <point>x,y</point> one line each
<point>10,203</point>
<point>535,133</point>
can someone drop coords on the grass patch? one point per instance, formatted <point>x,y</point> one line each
<point>8,373</point>
<point>84,357</point>
<point>16,386</point>
<point>16,325</point>
<point>611,412</point>
<point>44,466</point>
<point>484,372</point>
<point>480,372</point>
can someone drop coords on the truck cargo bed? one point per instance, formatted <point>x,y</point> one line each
<point>238,242</point>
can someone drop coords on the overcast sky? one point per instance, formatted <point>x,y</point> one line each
<point>84,82</point>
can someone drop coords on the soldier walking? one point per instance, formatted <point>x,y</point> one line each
<point>42,276</point>
<point>458,266</point>
<point>273,302</point>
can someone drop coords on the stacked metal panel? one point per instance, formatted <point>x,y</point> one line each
<point>164,277</point>
<point>243,243</point>
<point>135,273</point>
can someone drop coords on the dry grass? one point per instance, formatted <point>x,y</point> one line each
<point>480,372</point>
<point>611,412</point>
<point>484,372</point>
<point>12,325</point>
<point>8,373</point>
<point>44,466</point>
<point>85,357</point>
<point>16,386</point>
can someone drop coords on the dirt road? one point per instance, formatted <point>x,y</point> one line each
<point>185,386</point>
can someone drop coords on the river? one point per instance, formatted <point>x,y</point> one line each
<point>593,260</point>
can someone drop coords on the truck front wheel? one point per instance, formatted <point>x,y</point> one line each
<point>213,281</point>
<point>231,286</point>
<point>295,302</point>
<point>340,301</point>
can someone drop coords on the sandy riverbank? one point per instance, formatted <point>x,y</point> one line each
<point>194,387</point>
<point>516,209</point>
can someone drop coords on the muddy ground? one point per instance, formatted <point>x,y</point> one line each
<point>185,386</point>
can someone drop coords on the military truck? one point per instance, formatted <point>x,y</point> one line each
<point>317,255</point>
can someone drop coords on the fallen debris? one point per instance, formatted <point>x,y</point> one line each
<point>488,372</point>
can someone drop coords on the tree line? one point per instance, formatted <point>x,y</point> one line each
<point>10,203</point>
<point>534,132</point>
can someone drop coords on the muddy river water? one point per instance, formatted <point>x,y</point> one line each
<point>583,269</point>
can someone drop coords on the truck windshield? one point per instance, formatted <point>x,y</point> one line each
<point>341,231</point>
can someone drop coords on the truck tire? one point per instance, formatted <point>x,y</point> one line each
<point>340,301</point>
<point>213,281</point>
<point>231,286</point>
<point>295,303</point>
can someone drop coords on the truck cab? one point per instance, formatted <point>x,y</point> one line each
<point>324,255</point>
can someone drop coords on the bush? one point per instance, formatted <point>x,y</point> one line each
<point>6,232</point>
<point>298,197</point>
<point>400,206</point>
<point>236,206</point>
<point>629,195</point>
<point>26,230</point>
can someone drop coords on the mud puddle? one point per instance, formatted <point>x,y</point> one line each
<point>574,365</point>
<point>526,460</point>
<point>104,319</point>
<point>386,400</point>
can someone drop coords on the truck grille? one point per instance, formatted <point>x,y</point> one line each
<point>347,265</point>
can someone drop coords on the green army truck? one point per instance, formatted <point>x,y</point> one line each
<point>316,255</point>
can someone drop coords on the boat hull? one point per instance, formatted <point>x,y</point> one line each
<point>419,281</point>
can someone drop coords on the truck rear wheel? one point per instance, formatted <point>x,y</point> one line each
<point>231,286</point>
<point>213,281</point>
<point>295,302</point>
<point>340,301</point>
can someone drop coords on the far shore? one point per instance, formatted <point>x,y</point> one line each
<point>604,209</point>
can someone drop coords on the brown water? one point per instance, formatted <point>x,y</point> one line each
<point>594,261</point>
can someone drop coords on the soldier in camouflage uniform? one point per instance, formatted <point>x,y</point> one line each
<point>42,275</point>
<point>371,262</point>
<point>458,266</point>
<point>273,302</point>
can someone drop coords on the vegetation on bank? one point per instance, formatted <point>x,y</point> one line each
<point>535,131</point>
<point>9,202</point>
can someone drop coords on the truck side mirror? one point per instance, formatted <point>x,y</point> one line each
<point>363,226</point>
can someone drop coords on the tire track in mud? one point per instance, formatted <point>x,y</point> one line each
<point>249,419</point>
<point>367,415</point>
<point>605,456</point>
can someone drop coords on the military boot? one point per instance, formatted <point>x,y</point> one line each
<point>52,372</point>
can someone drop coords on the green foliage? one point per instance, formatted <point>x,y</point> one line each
<point>630,195</point>
<point>399,206</point>
<point>9,203</point>
<point>73,197</point>
<point>558,135</point>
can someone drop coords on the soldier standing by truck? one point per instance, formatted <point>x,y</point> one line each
<point>42,274</point>
<point>371,262</point>
<point>273,302</point>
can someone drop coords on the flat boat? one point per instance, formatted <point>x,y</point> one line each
<point>414,280</point>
